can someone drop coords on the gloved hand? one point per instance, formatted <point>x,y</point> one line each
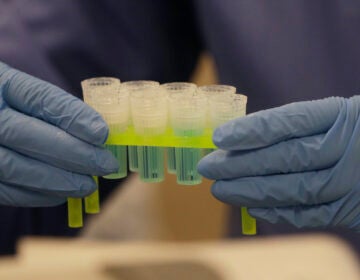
<point>298,163</point>
<point>49,143</point>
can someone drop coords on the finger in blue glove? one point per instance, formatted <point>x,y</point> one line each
<point>50,142</point>
<point>298,156</point>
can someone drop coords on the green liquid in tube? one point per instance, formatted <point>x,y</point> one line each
<point>75,216</point>
<point>120,153</point>
<point>92,204</point>
<point>187,160</point>
<point>186,166</point>
<point>171,162</point>
<point>248,222</point>
<point>133,159</point>
<point>151,163</point>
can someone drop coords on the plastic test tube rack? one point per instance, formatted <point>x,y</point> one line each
<point>178,118</point>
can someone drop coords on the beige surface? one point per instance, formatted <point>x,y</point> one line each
<point>305,258</point>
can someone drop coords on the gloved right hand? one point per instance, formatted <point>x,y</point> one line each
<point>50,143</point>
<point>293,164</point>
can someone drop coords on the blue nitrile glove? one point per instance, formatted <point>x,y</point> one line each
<point>299,163</point>
<point>49,143</point>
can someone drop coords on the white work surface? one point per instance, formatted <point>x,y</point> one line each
<point>282,258</point>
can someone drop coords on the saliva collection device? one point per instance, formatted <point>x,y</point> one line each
<point>149,122</point>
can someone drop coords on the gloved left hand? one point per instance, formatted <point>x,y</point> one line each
<point>296,164</point>
<point>50,143</point>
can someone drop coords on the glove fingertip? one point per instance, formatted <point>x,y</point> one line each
<point>218,192</point>
<point>106,163</point>
<point>263,214</point>
<point>85,187</point>
<point>229,136</point>
<point>218,137</point>
<point>100,132</point>
<point>88,188</point>
<point>204,167</point>
<point>55,201</point>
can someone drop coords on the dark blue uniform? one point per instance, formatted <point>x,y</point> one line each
<point>276,52</point>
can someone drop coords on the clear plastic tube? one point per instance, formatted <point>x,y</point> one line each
<point>211,90</point>
<point>151,164</point>
<point>176,88</point>
<point>90,88</point>
<point>188,118</point>
<point>120,153</point>
<point>112,101</point>
<point>186,166</point>
<point>248,223</point>
<point>149,116</point>
<point>224,108</point>
<point>75,216</point>
<point>92,203</point>
<point>133,159</point>
<point>171,161</point>
<point>131,86</point>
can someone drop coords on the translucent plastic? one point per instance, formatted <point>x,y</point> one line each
<point>211,90</point>
<point>215,91</point>
<point>115,111</point>
<point>222,109</point>
<point>186,166</point>
<point>176,88</point>
<point>133,158</point>
<point>149,115</point>
<point>92,203</point>
<point>248,223</point>
<point>75,216</point>
<point>120,153</point>
<point>131,86</point>
<point>111,100</point>
<point>139,84</point>
<point>91,88</point>
<point>179,88</point>
<point>149,111</point>
<point>188,118</point>
<point>151,164</point>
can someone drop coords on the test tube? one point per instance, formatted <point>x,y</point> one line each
<point>221,110</point>
<point>213,91</point>
<point>112,101</point>
<point>92,204</point>
<point>149,116</point>
<point>90,88</point>
<point>131,86</point>
<point>75,216</point>
<point>181,88</point>
<point>248,223</point>
<point>188,119</point>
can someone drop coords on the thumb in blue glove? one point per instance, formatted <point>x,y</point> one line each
<point>50,143</point>
<point>295,164</point>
